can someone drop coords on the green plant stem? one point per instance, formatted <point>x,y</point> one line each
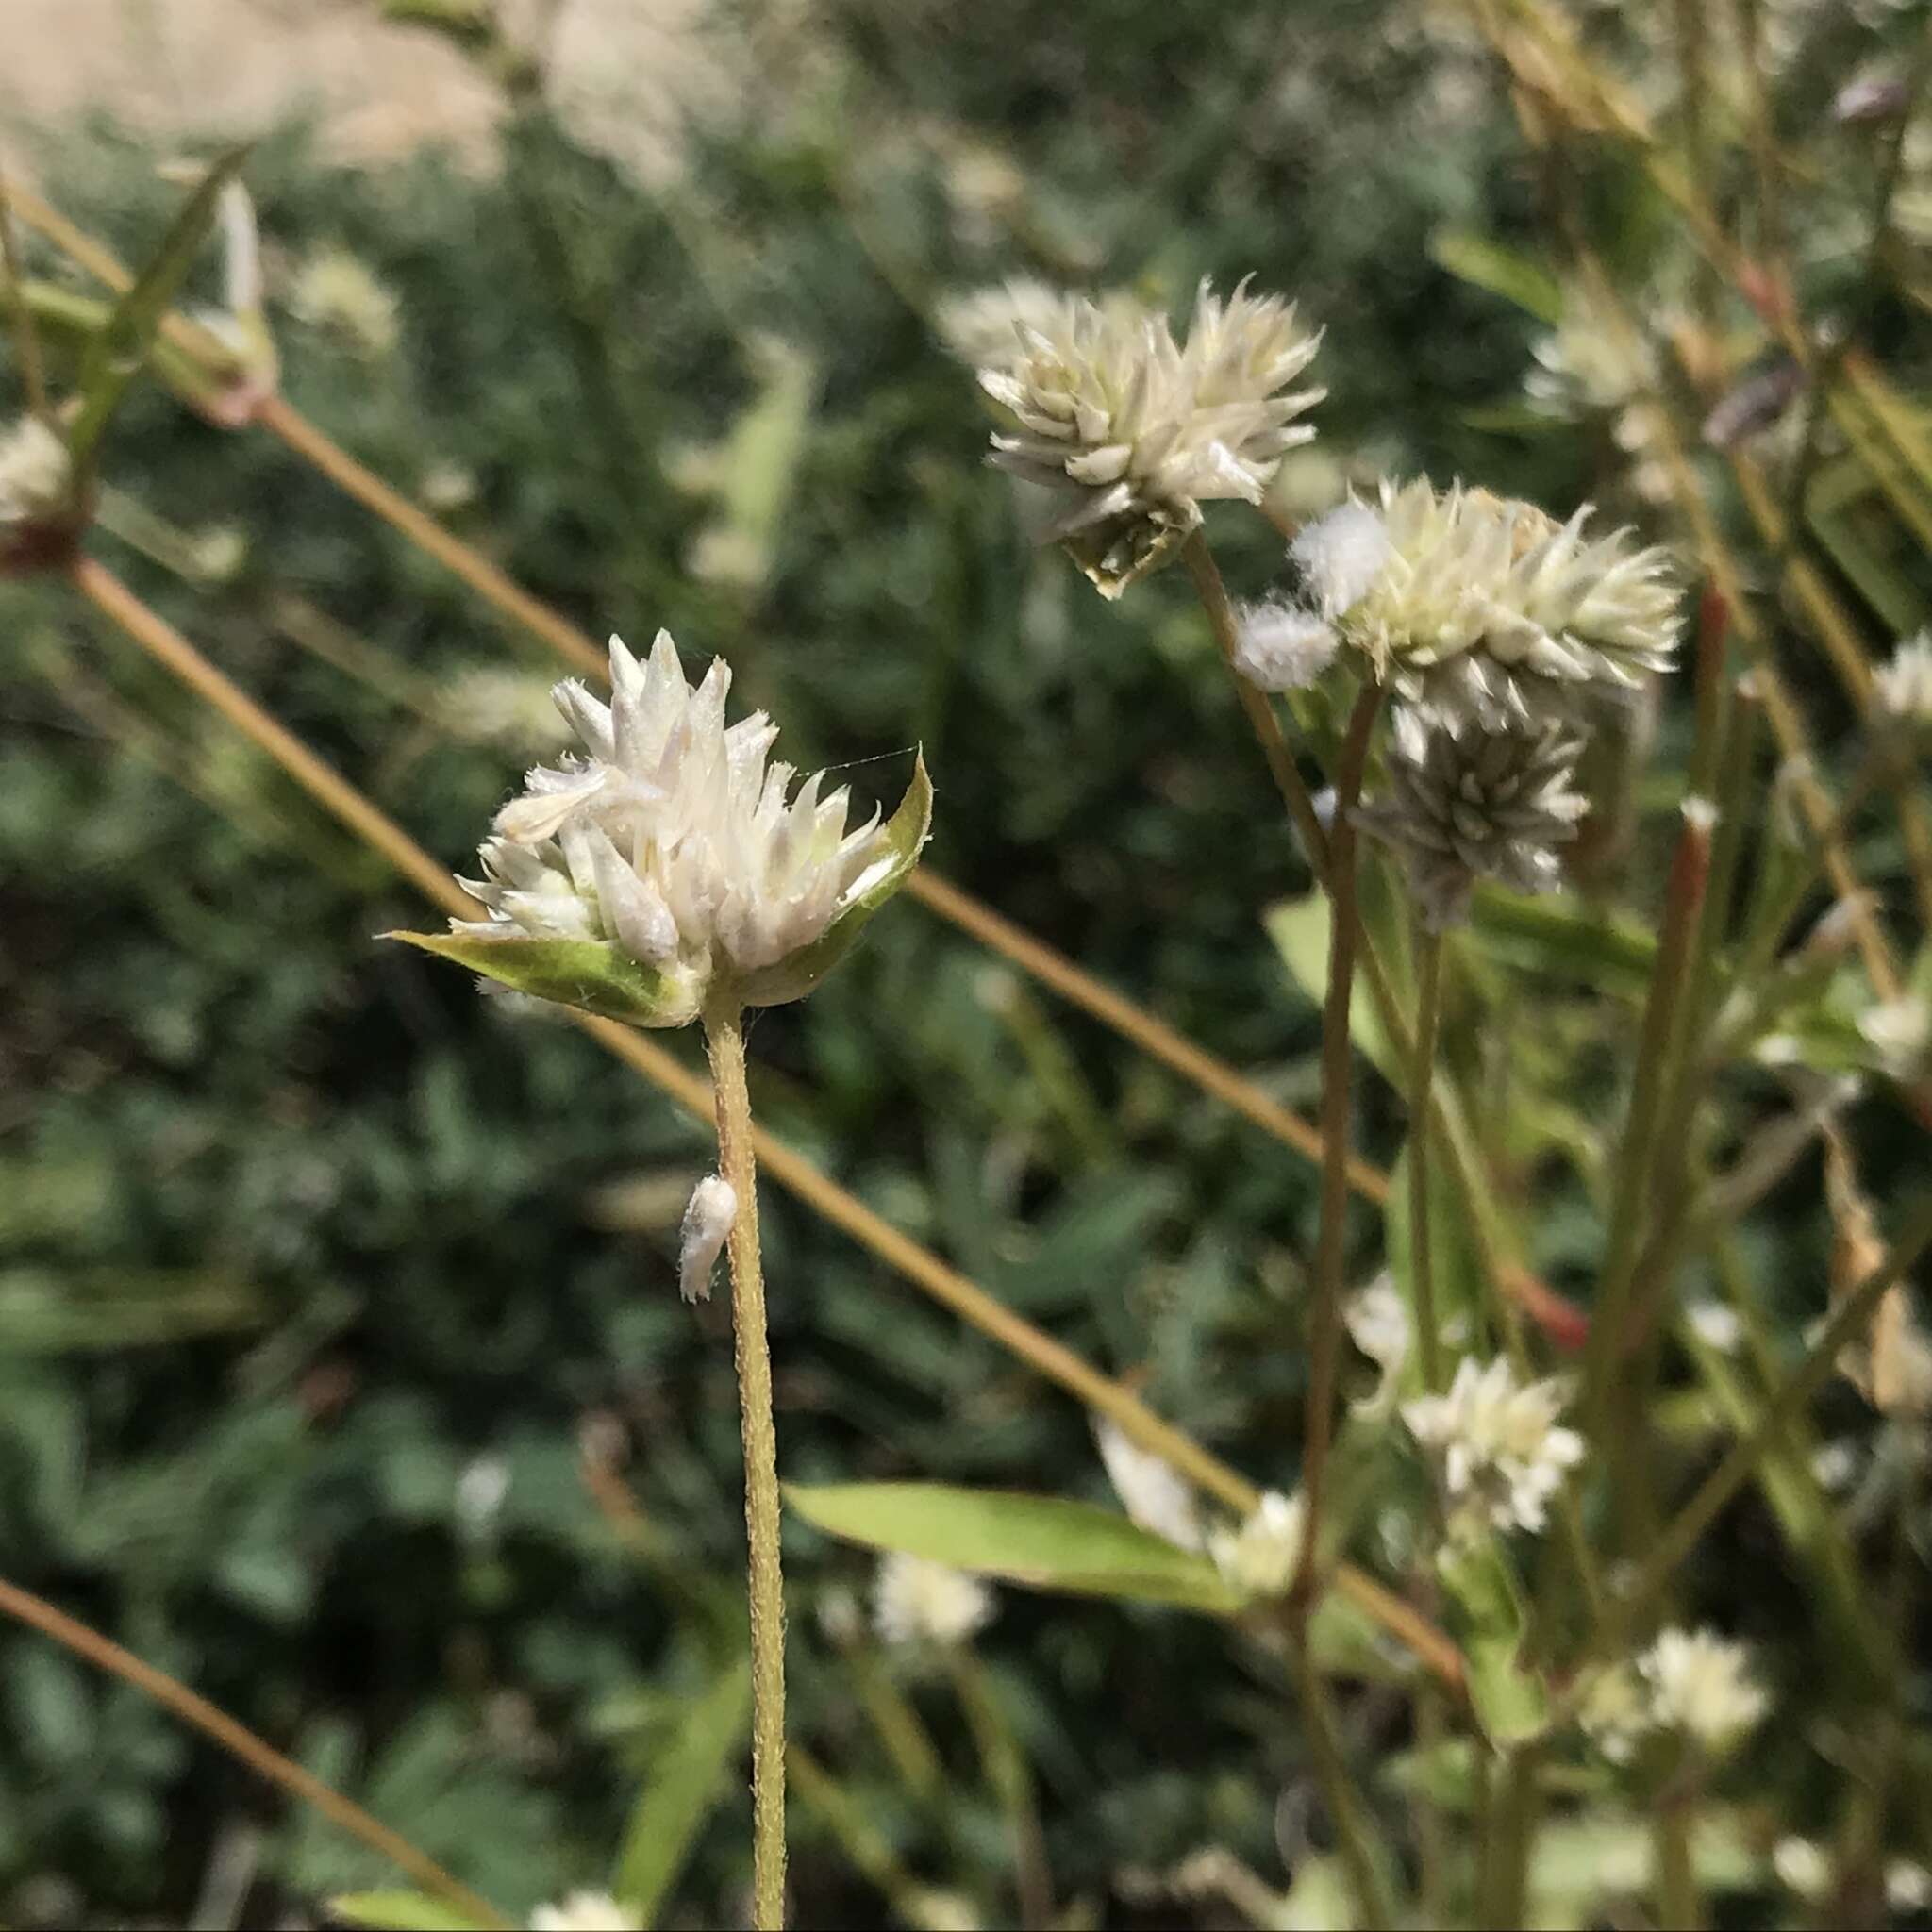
<point>1006,1769</point>
<point>1325,1346</point>
<point>1679,1906</point>
<point>725,1045</point>
<point>1512,1826</point>
<point>1422,1265</point>
<point>1353,1832</point>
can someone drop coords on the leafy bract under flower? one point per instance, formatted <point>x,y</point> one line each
<point>1482,609</point>
<point>1130,431</point>
<point>669,863</point>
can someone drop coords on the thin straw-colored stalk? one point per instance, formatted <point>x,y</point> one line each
<point>1421,1260</point>
<point>1331,1254</point>
<point>790,1169</point>
<point>1347,1814</point>
<point>752,1354</point>
<point>240,1741</point>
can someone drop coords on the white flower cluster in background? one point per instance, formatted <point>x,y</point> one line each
<point>339,294</point>
<point>1261,1554</point>
<point>34,472</point>
<point>585,1911</point>
<point>1691,1683</point>
<point>1131,430</point>
<point>917,1601</point>
<point>1497,1445</point>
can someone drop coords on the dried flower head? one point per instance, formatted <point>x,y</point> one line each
<point>668,863</point>
<point>585,1911</point>
<point>1466,801</point>
<point>1497,1444</point>
<point>1904,687</point>
<point>1482,608</point>
<point>339,294</point>
<point>1154,1492</point>
<point>1261,1557</point>
<point>916,1601</point>
<point>1701,1686</point>
<point>1131,432</point>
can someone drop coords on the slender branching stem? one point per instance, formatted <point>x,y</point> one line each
<point>241,1743</point>
<point>1324,1340</point>
<point>1354,1836</point>
<point>1421,1260</point>
<point>738,1163</point>
<point>1678,1904</point>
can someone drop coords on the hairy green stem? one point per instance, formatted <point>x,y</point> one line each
<point>724,1043</point>
<point>1421,1264</point>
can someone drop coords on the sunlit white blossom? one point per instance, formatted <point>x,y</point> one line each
<point>1900,1031</point>
<point>1908,1885</point>
<point>1715,1326</point>
<point>1801,1865</point>
<point>1259,1557</point>
<point>1132,431</point>
<point>1480,608</point>
<point>670,839</point>
<point>1279,646</point>
<point>486,704</point>
<point>1467,801</point>
<point>1701,1686</point>
<point>989,328</point>
<point>585,1911</point>
<point>1498,1442</point>
<point>1154,1492</point>
<point>707,1218</point>
<point>916,1601</point>
<point>1904,686</point>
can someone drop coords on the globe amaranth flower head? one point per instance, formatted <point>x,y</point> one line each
<point>1467,801</point>
<point>1481,609</point>
<point>1498,1446</point>
<point>669,864</point>
<point>1130,432</point>
<point>1701,1686</point>
<point>916,1600</point>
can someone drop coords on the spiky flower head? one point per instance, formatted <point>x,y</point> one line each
<point>668,863</point>
<point>1156,1495</point>
<point>1701,1686</point>
<point>915,1599</point>
<point>1131,432</point>
<point>992,328</point>
<point>1481,609</point>
<point>1261,1557</point>
<point>585,1911</point>
<point>1497,1444</point>
<point>1465,802</point>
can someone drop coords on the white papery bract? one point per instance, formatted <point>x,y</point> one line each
<point>585,1911</point>
<point>1157,1496</point>
<point>1497,1444</point>
<point>1701,1686</point>
<point>1259,1557</point>
<point>1466,801</point>
<point>1481,609</point>
<point>1131,432</point>
<point>915,1599</point>
<point>670,842</point>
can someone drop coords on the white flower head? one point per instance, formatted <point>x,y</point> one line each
<point>678,854</point>
<point>989,328</point>
<point>339,295</point>
<point>34,472</point>
<point>1614,1713</point>
<point>1132,431</point>
<point>1261,1557</point>
<point>1279,646</point>
<point>1904,687</point>
<point>485,704</point>
<point>1908,1885</point>
<point>917,1601</point>
<point>1802,1866</point>
<point>1900,1031</point>
<point>1154,1492</point>
<point>708,1219</point>
<point>1379,1324</point>
<point>1481,609</point>
<point>1701,1686</point>
<point>1466,801</point>
<point>1716,1325</point>
<point>1497,1444</point>
<point>585,1911</point>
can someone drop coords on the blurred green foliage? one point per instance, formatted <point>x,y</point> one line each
<point>313,1266</point>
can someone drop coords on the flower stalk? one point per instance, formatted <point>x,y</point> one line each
<point>724,1023</point>
<point>1421,1264</point>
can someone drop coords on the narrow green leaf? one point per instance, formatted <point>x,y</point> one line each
<point>1562,937</point>
<point>402,1911</point>
<point>680,1792</point>
<point>593,975</point>
<point>904,834</point>
<point>1043,1543</point>
<point>1299,929</point>
<point>1487,263</point>
<point>116,355</point>
<point>45,1313</point>
<point>1458,1277</point>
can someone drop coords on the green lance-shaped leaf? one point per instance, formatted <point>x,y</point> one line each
<point>1487,263</point>
<point>1492,1621</point>
<point>593,975</point>
<point>116,355</point>
<point>901,839</point>
<point>679,1794</point>
<point>1299,929</point>
<point>1042,1543</point>
<point>402,1911</point>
